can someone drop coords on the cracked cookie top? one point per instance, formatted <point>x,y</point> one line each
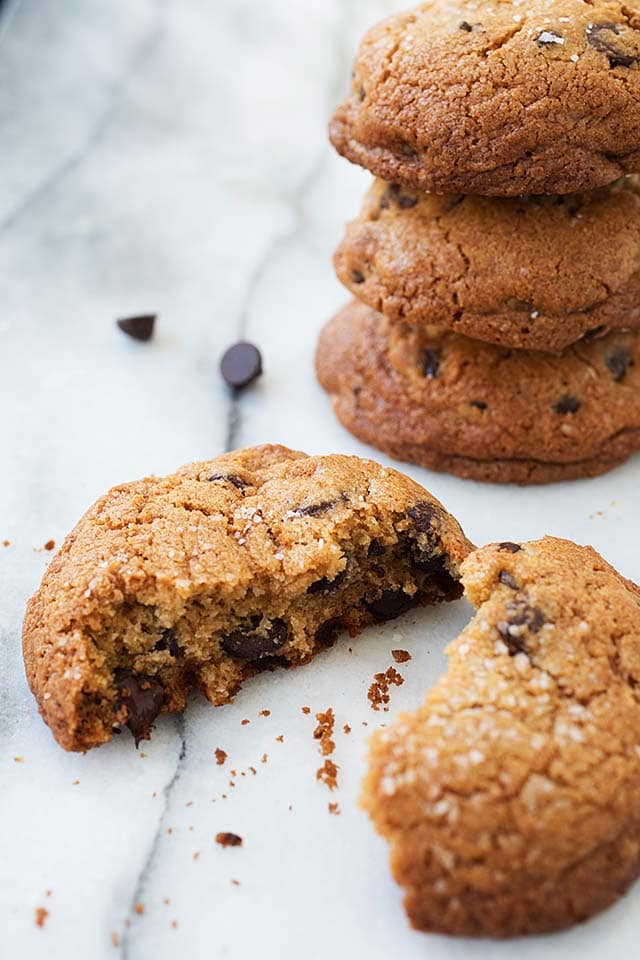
<point>534,272</point>
<point>511,798</point>
<point>506,98</point>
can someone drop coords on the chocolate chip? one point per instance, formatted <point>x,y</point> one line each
<point>328,631</point>
<point>567,404</point>
<point>429,563</point>
<point>423,515</point>
<point>328,586</point>
<point>463,25</point>
<point>256,640</point>
<point>507,547</point>
<point>241,364</point>
<point>522,618</point>
<point>357,276</point>
<point>549,38</point>
<point>394,194</point>
<point>376,549</point>
<point>601,36</point>
<point>168,641</point>
<point>508,579</point>
<point>618,363</point>
<point>232,478</point>
<point>408,150</point>
<point>315,509</point>
<point>594,333</point>
<point>140,328</point>
<point>431,363</point>
<point>142,698</point>
<point>362,94</point>
<point>478,404</point>
<point>389,605</point>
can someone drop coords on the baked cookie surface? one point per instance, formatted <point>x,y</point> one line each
<point>511,798</point>
<point>497,99</point>
<point>535,272</point>
<point>227,567</point>
<point>446,402</point>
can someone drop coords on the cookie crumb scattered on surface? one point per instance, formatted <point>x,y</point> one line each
<point>324,732</point>
<point>244,722</point>
<point>50,545</point>
<point>139,909</point>
<point>379,690</point>
<point>334,808</point>
<point>115,938</point>
<point>228,839</point>
<point>236,883</point>
<point>328,774</point>
<point>306,710</point>
<point>264,758</point>
<point>6,543</point>
<point>347,728</point>
<point>280,739</point>
<point>265,713</point>
<point>18,759</point>
<point>41,916</point>
<point>401,656</point>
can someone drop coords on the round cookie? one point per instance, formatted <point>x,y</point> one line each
<point>498,99</point>
<point>532,272</point>
<point>441,400</point>
<point>511,798</point>
<point>227,567</point>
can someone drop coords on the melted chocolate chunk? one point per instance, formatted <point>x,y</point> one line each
<point>232,478</point>
<point>315,509</point>
<point>424,515</point>
<point>618,363</point>
<point>256,641</point>
<point>328,631</point>
<point>522,618</point>
<point>394,194</point>
<point>567,404</point>
<point>435,563</point>
<point>389,605</point>
<point>431,363</point>
<point>376,549</point>
<point>602,37</point>
<point>325,585</point>
<point>357,276</point>
<point>507,547</point>
<point>168,641</point>
<point>508,579</point>
<point>463,25</point>
<point>478,404</point>
<point>241,364</point>
<point>139,328</point>
<point>142,698</point>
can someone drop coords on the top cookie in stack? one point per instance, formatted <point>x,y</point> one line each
<point>503,135</point>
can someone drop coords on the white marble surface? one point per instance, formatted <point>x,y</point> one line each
<point>171,156</point>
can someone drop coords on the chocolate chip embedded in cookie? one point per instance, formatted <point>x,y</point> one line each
<point>531,272</point>
<point>511,799</point>
<point>228,567</point>
<point>501,99</point>
<point>438,399</point>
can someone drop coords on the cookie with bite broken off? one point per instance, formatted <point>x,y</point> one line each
<point>511,798</point>
<point>228,567</point>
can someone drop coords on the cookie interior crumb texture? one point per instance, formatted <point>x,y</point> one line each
<point>511,798</point>
<point>201,579</point>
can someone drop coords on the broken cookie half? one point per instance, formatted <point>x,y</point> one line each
<point>511,799</point>
<point>228,567</point>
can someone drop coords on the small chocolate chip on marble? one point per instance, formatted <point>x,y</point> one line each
<point>431,363</point>
<point>464,25</point>
<point>141,697</point>
<point>389,605</point>
<point>315,509</point>
<point>567,404</point>
<point>357,277</point>
<point>241,364</point>
<point>139,327</point>
<point>255,642</point>
<point>508,547</point>
<point>602,37</point>
<point>326,586</point>
<point>618,363</point>
<point>549,38</point>
<point>508,579</point>
<point>231,478</point>
<point>168,641</point>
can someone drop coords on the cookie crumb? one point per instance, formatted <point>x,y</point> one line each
<point>50,545</point>
<point>328,774</point>
<point>334,808</point>
<point>324,731</point>
<point>6,543</point>
<point>139,909</point>
<point>379,690</point>
<point>264,758</point>
<point>115,938</point>
<point>18,759</point>
<point>196,855</point>
<point>306,710</point>
<point>236,883</point>
<point>228,839</point>
<point>174,924</point>
<point>347,728</point>
<point>220,755</point>
<point>265,713</point>
<point>401,656</point>
<point>280,739</point>
<point>244,722</point>
<point>41,916</point>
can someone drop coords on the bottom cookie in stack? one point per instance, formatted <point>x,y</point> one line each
<point>446,402</point>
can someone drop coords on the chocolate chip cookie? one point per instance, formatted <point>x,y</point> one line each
<point>438,399</point>
<point>202,578</point>
<point>533,272</point>
<point>499,99</point>
<point>511,799</point>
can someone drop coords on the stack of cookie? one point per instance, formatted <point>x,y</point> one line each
<point>496,263</point>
